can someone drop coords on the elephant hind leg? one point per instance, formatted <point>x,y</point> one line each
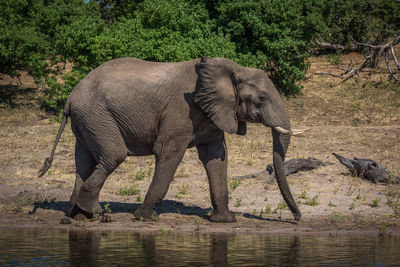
<point>88,196</point>
<point>85,164</point>
<point>100,155</point>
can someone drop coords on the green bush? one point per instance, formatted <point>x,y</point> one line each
<point>22,45</point>
<point>56,93</point>
<point>274,35</point>
<point>158,30</point>
<point>364,20</point>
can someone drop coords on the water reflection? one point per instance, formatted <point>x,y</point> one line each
<point>80,248</point>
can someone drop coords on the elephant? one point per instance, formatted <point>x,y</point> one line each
<point>132,107</point>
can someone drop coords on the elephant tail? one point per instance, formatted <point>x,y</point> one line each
<point>47,162</point>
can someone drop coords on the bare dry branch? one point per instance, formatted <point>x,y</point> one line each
<point>392,75</point>
<point>395,58</point>
<point>371,60</point>
<point>326,45</point>
<point>330,74</point>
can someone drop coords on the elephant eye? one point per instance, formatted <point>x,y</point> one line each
<point>260,99</point>
<point>373,165</point>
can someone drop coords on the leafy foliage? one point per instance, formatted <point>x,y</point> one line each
<point>364,20</point>
<point>277,33</point>
<point>269,34</point>
<point>22,45</point>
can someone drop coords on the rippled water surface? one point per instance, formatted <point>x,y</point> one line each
<point>79,248</point>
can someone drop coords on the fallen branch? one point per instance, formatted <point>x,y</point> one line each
<point>330,74</point>
<point>371,60</point>
<point>395,58</point>
<point>326,45</point>
<point>392,75</point>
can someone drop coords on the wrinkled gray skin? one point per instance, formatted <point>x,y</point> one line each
<point>367,169</point>
<point>130,107</point>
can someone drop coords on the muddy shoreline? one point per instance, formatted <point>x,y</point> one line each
<point>170,224</point>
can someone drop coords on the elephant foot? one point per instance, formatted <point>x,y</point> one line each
<point>88,203</point>
<point>223,217</point>
<point>77,213</point>
<point>297,216</point>
<point>143,213</point>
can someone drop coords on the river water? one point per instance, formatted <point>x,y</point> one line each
<point>80,248</point>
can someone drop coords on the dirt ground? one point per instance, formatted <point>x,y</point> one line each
<point>359,119</point>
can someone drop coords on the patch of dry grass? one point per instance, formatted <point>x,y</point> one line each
<point>371,100</point>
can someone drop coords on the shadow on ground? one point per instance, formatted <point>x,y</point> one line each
<point>166,206</point>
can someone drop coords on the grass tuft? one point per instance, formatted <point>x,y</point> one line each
<point>128,190</point>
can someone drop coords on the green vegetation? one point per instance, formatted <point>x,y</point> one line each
<point>182,191</point>
<point>393,199</point>
<point>128,190</point>
<point>41,36</point>
<point>375,202</point>
<point>268,209</point>
<point>303,195</point>
<point>308,201</point>
<point>330,204</point>
<point>140,175</point>
<point>281,205</point>
<point>233,184</point>
<point>107,208</point>
<point>312,201</point>
<point>238,202</point>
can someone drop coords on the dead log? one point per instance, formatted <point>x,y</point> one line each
<point>330,46</point>
<point>371,59</point>
<point>290,167</point>
<point>368,169</point>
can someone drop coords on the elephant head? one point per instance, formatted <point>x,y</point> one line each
<point>232,95</point>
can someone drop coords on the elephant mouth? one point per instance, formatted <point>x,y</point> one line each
<point>292,132</point>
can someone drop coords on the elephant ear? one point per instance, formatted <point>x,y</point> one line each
<point>216,92</point>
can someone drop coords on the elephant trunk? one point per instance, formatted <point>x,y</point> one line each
<point>276,118</point>
<point>280,146</point>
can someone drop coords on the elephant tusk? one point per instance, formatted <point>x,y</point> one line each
<point>292,132</point>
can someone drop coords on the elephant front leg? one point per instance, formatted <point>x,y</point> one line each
<point>215,160</point>
<point>168,157</point>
